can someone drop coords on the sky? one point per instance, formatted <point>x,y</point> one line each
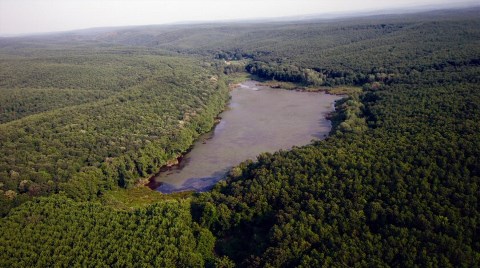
<point>37,16</point>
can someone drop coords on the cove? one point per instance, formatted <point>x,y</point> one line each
<point>258,119</point>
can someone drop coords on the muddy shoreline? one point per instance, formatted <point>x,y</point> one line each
<point>175,162</point>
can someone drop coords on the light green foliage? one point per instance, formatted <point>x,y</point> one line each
<point>17,103</point>
<point>69,67</point>
<point>344,90</point>
<point>138,197</point>
<point>86,148</point>
<point>348,117</point>
<point>57,231</point>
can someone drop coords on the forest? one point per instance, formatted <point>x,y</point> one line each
<point>86,117</point>
<point>84,140</point>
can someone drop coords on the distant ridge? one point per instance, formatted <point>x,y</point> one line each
<point>468,6</point>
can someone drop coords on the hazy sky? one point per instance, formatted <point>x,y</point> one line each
<point>33,16</point>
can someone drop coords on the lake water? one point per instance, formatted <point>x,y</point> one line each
<point>259,119</point>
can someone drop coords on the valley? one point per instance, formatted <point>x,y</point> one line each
<point>86,117</point>
<point>258,119</point>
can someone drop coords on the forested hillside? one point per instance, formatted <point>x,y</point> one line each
<point>87,131</point>
<point>77,234</point>
<point>402,193</point>
<point>396,184</point>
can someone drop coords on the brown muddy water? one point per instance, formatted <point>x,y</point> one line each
<point>259,119</point>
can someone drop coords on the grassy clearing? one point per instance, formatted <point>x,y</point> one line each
<point>239,77</point>
<point>284,85</point>
<point>138,197</point>
<point>344,90</point>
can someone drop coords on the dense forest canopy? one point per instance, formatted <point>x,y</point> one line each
<point>85,115</point>
<point>85,139</point>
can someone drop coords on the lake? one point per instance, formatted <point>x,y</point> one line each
<point>258,119</point>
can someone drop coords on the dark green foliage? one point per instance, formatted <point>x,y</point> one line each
<point>392,196</point>
<point>289,73</point>
<point>402,192</point>
<point>397,184</point>
<point>57,231</point>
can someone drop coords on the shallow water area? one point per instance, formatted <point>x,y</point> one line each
<point>259,119</point>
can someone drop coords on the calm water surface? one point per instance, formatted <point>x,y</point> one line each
<point>259,119</point>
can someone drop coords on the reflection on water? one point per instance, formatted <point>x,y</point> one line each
<point>259,119</point>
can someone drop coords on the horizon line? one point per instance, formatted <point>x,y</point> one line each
<point>293,18</point>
